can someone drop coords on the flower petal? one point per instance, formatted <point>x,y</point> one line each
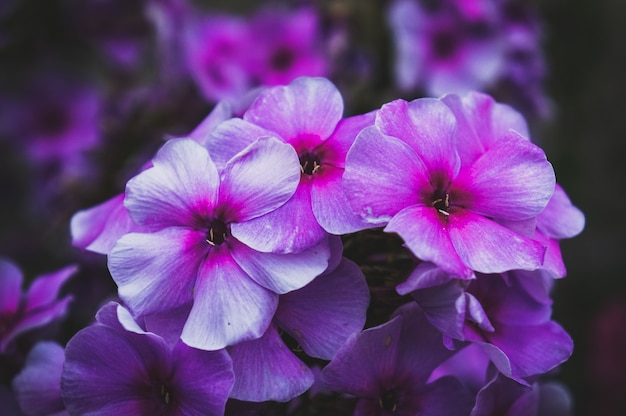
<point>156,272</point>
<point>364,360</point>
<point>428,126</point>
<point>383,175</point>
<point>425,233</point>
<point>532,350</point>
<point>203,380</point>
<point>487,247</point>
<point>265,369</point>
<point>231,137</point>
<point>323,314</point>
<point>38,385</point>
<point>307,106</point>
<point>511,181</point>
<point>288,229</point>
<point>282,273</point>
<point>330,205</point>
<point>228,306</point>
<point>98,228</point>
<point>259,179</point>
<point>561,219</point>
<point>44,290</point>
<point>444,306</point>
<point>180,187</point>
<point>481,122</point>
<point>93,383</point>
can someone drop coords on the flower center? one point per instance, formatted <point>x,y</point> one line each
<point>441,201</point>
<point>165,395</point>
<point>309,163</point>
<point>282,59</point>
<point>217,233</point>
<point>445,44</point>
<point>388,401</point>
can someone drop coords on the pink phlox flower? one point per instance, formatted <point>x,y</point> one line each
<point>227,55</point>
<point>444,49</point>
<point>461,203</point>
<point>198,249</point>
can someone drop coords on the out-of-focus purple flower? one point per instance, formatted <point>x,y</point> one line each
<point>387,368</point>
<point>287,46</point>
<point>463,213</point>
<point>306,114</point>
<point>199,246</point>
<point>453,46</point>
<point>319,317</point>
<point>216,49</point>
<point>442,51</point>
<point>38,386</point>
<point>503,396</point>
<point>228,55</point>
<point>37,307</point>
<point>114,367</point>
<point>55,123</point>
<point>507,315</point>
<point>522,80</point>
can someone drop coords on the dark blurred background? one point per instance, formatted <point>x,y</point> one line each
<point>585,49</point>
<point>586,52</point>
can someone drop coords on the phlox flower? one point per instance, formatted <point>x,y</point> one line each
<point>227,55</point>
<point>508,316</point>
<point>288,45</point>
<point>387,368</point>
<point>306,114</point>
<point>320,317</point>
<point>38,386</point>
<point>115,367</point>
<point>22,312</point>
<point>445,48</point>
<point>456,202</point>
<point>197,251</point>
<point>55,122</point>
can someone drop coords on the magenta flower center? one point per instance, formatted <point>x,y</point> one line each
<point>441,201</point>
<point>445,43</point>
<point>282,59</point>
<point>217,233</point>
<point>309,163</point>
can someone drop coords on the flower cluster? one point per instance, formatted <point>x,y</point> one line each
<point>292,252</point>
<point>226,250</point>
